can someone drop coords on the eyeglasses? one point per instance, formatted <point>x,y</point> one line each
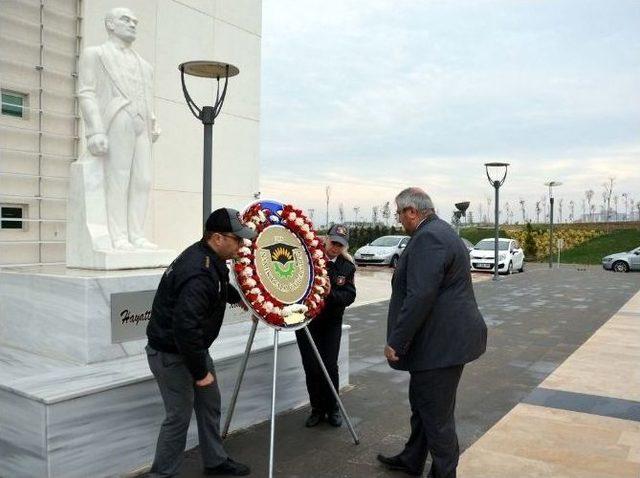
<point>399,212</point>
<point>232,236</point>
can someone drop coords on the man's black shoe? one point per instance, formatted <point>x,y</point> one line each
<point>395,463</point>
<point>315,418</point>
<point>334,418</point>
<point>228,468</point>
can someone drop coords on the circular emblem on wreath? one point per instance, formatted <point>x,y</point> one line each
<point>282,272</point>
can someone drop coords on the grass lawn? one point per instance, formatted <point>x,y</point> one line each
<point>593,251</point>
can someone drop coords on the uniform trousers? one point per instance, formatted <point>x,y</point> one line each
<point>432,396</point>
<point>326,333</point>
<point>181,396</point>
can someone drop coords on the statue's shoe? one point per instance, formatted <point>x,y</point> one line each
<point>143,243</point>
<point>123,245</point>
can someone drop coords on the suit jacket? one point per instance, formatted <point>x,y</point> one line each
<point>102,90</point>
<point>433,320</point>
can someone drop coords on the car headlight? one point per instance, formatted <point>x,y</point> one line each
<point>607,259</point>
<point>502,256</point>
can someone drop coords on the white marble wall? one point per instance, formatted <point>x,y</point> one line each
<point>65,313</point>
<point>23,449</point>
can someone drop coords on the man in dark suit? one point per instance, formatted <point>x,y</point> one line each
<point>434,327</point>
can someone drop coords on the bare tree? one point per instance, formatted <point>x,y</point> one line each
<point>588,194</point>
<point>523,209</point>
<point>374,215</point>
<point>489,201</point>
<point>480,212</point>
<point>638,208</point>
<point>631,202</point>
<point>560,201</point>
<point>615,202</point>
<point>608,191</point>
<point>311,212</point>
<point>386,212</point>
<point>544,206</point>
<point>356,211</point>
<point>538,211</point>
<point>341,212</point>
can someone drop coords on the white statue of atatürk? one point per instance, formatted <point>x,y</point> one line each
<point>116,99</point>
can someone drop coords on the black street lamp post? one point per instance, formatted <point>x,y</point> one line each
<point>207,114</point>
<point>493,173</point>
<point>550,185</point>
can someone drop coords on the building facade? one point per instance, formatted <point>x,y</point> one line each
<point>41,131</point>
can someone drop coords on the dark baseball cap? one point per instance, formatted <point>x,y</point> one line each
<point>339,233</point>
<point>226,219</point>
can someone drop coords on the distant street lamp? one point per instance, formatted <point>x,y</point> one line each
<point>551,185</point>
<point>207,114</point>
<point>460,213</point>
<point>494,170</point>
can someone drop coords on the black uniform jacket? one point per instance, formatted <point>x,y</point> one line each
<point>433,320</point>
<point>189,306</point>
<point>343,289</point>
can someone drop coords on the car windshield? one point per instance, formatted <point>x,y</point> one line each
<point>488,245</point>
<point>386,241</point>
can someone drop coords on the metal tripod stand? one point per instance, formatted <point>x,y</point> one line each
<point>243,367</point>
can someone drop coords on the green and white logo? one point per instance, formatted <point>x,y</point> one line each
<point>283,264</point>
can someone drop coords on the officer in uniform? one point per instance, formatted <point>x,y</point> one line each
<point>186,317</point>
<point>326,330</point>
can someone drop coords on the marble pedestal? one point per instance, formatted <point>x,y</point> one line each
<point>88,240</point>
<point>97,411</point>
<point>66,313</point>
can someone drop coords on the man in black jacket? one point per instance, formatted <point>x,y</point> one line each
<point>186,318</point>
<point>326,330</point>
<point>434,328</point>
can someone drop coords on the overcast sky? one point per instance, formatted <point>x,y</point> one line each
<point>372,96</point>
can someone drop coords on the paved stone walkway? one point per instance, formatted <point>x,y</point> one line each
<point>536,321</point>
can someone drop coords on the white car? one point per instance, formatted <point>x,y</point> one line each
<point>510,256</point>
<point>385,250</point>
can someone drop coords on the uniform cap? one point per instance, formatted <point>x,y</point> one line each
<point>228,220</point>
<point>339,233</point>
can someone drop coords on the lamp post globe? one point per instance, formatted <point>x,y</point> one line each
<point>496,174</point>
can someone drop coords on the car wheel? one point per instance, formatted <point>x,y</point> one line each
<point>394,262</point>
<point>510,268</point>
<point>620,266</point>
<point>521,268</point>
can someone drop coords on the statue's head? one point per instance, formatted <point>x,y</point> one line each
<point>122,23</point>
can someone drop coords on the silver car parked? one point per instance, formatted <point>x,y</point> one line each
<point>623,261</point>
<point>385,250</point>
